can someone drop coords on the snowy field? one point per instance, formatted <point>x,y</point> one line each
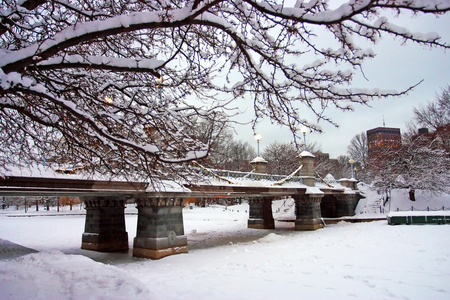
<point>228,261</point>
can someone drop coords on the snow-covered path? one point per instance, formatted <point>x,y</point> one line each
<point>228,261</point>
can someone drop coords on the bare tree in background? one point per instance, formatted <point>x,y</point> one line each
<point>341,167</point>
<point>119,85</point>
<point>229,154</point>
<point>359,148</point>
<point>435,114</point>
<point>282,158</point>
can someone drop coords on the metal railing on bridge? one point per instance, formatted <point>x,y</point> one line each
<point>241,176</point>
<point>321,181</point>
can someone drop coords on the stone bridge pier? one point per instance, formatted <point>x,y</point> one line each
<point>260,214</point>
<point>307,207</point>
<point>346,204</point>
<point>307,204</point>
<point>160,230</point>
<point>339,205</point>
<point>104,229</point>
<point>307,212</point>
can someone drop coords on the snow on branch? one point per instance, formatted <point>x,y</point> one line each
<point>318,12</point>
<point>209,171</point>
<point>135,79</point>
<point>289,177</point>
<point>101,62</point>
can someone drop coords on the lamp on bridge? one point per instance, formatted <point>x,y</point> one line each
<point>304,130</point>
<point>257,137</point>
<point>351,162</point>
<point>159,83</point>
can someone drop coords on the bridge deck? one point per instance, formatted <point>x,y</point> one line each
<point>32,186</point>
<point>22,186</point>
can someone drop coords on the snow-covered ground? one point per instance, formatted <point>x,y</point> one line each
<point>226,260</point>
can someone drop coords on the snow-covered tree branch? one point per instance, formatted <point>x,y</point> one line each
<point>435,114</point>
<point>422,162</point>
<point>122,85</point>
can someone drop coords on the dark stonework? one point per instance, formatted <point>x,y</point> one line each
<point>261,216</point>
<point>104,229</point>
<point>328,206</point>
<point>307,210</point>
<point>339,205</point>
<point>160,230</point>
<point>346,204</point>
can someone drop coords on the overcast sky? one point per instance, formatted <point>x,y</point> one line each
<point>395,67</point>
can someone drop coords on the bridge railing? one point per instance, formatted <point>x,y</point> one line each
<point>320,181</point>
<point>241,176</point>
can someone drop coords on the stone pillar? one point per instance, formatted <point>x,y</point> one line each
<point>307,170</point>
<point>160,230</point>
<point>104,229</point>
<point>259,165</point>
<point>261,216</point>
<point>346,204</point>
<point>328,206</point>
<point>307,211</point>
<point>350,183</point>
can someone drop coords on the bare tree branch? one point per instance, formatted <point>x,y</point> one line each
<point>79,81</point>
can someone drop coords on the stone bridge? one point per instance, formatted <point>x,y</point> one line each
<point>160,229</point>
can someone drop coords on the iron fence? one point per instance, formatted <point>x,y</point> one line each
<point>238,175</point>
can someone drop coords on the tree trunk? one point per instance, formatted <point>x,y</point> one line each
<point>412,195</point>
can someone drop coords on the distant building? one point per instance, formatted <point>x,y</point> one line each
<point>423,131</point>
<point>381,138</point>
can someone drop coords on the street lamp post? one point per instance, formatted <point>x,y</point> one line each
<point>304,130</point>
<point>351,162</point>
<point>159,82</point>
<point>258,137</point>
